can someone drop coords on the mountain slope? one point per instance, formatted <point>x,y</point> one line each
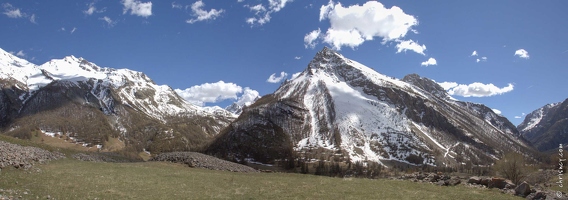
<point>88,103</point>
<point>338,109</point>
<point>547,127</point>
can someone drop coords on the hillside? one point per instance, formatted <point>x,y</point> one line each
<point>547,127</point>
<point>80,102</point>
<point>338,109</point>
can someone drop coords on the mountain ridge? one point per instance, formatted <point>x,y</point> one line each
<point>547,126</point>
<point>342,110</point>
<point>123,103</point>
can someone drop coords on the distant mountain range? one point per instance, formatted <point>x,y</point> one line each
<point>77,98</point>
<point>338,109</point>
<point>547,127</point>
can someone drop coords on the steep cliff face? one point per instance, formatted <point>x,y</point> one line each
<point>339,109</point>
<point>547,127</point>
<point>77,98</point>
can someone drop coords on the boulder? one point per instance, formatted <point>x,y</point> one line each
<point>454,181</point>
<point>441,183</point>
<point>523,189</point>
<point>432,178</point>
<point>474,180</point>
<point>500,183</point>
<point>536,196</point>
<point>485,181</point>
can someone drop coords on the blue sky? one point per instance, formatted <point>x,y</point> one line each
<point>193,45</point>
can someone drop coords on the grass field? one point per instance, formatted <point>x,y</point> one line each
<point>73,179</point>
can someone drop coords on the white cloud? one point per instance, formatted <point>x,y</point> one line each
<point>257,9</point>
<point>353,25</point>
<point>21,53</point>
<point>262,14</point>
<point>275,79</point>
<point>519,117</point>
<point>33,19</point>
<point>522,53</point>
<point>73,30</point>
<point>248,97</point>
<point>108,20</point>
<point>216,92</point>
<point>474,53</point>
<point>310,38</point>
<point>475,89</point>
<point>297,57</point>
<point>91,9</point>
<point>177,6</point>
<point>12,12</point>
<point>137,8</point>
<point>210,92</point>
<point>410,45</point>
<point>484,59</point>
<point>295,75</point>
<point>496,111</point>
<point>448,85</point>
<point>430,61</point>
<point>240,1</point>
<point>201,14</point>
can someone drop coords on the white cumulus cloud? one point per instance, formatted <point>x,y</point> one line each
<point>430,61</point>
<point>475,89</point>
<point>496,111</point>
<point>137,8</point>
<point>275,79</point>
<point>297,57</point>
<point>202,15</point>
<point>351,26</point>
<point>522,53</point>
<point>248,97</point>
<point>310,38</point>
<point>211,92</point>
<point>404,45</point>
<point>262,13</point>
<point>295,75</point>
<point>474,53</point>
<point>448,85</point>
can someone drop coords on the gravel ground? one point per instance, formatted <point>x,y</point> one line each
<point>199,160</point>
<point>24,157</point>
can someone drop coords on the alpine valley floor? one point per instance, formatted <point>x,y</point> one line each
<point>72,179</point>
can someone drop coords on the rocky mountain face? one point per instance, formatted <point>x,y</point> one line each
<point>89,104</point>
<point>547,127</point>
<point>338,109</point>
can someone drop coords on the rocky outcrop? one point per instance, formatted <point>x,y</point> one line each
<point>547,126</point>
<point>198,160</point>
<point>13,155</point>
<point>523,189</point>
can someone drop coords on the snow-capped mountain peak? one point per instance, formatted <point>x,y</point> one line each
<point>339,106</point>
<point>134,88</point>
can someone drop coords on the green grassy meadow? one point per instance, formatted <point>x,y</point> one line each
<point>73,179</point>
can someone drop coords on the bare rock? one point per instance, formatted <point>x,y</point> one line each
<point>523,189</point>
<point>453,181</point>
<point>198,160</point>
<point>474,180</point>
